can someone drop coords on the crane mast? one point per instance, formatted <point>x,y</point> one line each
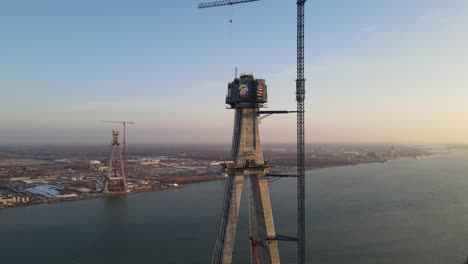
<point>300,97</point>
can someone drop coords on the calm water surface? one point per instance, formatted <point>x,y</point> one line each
<point>407,211</point>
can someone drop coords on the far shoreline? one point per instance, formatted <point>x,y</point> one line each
<point>193,180</point>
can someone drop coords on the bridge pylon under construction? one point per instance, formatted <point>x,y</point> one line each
<point>246,95</point>
<point>115,179</point>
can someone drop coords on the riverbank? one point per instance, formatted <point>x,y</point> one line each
<point>169,183</point>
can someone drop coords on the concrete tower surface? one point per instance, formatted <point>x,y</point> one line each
<point>246,95</point>
<point>116,171</point>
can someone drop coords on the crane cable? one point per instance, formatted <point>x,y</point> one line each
<point>231,17</point>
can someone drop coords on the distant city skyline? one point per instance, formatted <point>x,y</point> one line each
<point>377,71</point>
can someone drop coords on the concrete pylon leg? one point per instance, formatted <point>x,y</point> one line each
<point>109,170</point>
<point>227,232</point>
<point>262,226</point>
<point>253,222</point>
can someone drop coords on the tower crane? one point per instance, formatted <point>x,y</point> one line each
<point>300,98</point>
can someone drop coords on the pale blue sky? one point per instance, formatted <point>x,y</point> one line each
<point>377,70</point>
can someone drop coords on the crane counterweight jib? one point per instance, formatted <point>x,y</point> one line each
<point>223,3</point>
<point>121,122</point>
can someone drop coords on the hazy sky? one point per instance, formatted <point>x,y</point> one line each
<point>377,70</point>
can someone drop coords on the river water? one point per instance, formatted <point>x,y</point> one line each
<point>407,211</point>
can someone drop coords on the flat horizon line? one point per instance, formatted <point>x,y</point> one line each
<point>172,144</point>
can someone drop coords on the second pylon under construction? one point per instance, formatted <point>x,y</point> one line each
<point>246,95</point>
<point>115,179</point>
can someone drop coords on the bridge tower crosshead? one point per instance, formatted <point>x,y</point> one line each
<point>115,177</point>
<point>246,95</point>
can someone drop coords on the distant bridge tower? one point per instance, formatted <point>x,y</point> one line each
<point>115,179</point>
<point>246,95</point>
